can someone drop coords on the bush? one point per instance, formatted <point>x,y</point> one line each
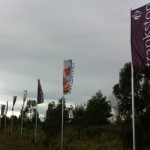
<point>142,137</point>
<point>91,132</point>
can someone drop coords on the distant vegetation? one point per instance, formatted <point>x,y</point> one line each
<point>89,126</point>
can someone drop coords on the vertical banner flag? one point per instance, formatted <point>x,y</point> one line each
<point>68,76</point>
<point>140,37</point>
<point>24,99</point>
<point>6,108</point>
<point>40,95</point>
<point>14,101</point>
<point>2,110</point>
<point>25,95</point>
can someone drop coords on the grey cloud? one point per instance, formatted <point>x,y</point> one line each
<point>36,36</point>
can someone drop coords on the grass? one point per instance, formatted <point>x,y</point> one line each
<point>12,145</point>
<point>16,141</point>
<point>88,140</point>
<point>94,139</point>
<point>103,138</point>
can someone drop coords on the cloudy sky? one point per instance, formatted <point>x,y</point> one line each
<point>36,36</point>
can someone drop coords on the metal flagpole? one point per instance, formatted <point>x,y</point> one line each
<point>6,116</point>
<point>24,98</point>
<point>0,123</point>
<point>5,123</point>
<point>62,123</point>
<point>12,121</point>
<point>22,118</point>
<point>67,84</point>
<point>36,122</point>
<point>30,111</point>
<point>132,90</point>
<point>133,110</point>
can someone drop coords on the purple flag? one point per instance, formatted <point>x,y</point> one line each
<point>2,109</point>
<point>140,37</point>
<point>40,95</point>
<point>14,100</point>
<point>7,107</point>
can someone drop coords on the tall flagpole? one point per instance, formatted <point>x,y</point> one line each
<point>12,121</point>
<point>22,118</point>
<point>6,116</point>
<point>14,101</point>
<point>36,121</point>
<point>62,123</point>
<point>5,123</point>
<point>132,90</point>
<point>0,123</point>
<point>67,86</point>
<point>24,98</point>
<point>62,130</point>
<point>133,110</point>
<point>30,111</point>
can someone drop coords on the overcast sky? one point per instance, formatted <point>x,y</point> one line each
<point>37,35</point>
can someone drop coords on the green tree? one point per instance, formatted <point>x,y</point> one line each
<point>29,113</point>
<point>78,118</point>
<point>78,114</point>
<point>53,119</point>
<point>122,92</point>
<point>98,110</point>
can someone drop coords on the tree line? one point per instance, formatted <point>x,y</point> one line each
<point>98,110</point>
